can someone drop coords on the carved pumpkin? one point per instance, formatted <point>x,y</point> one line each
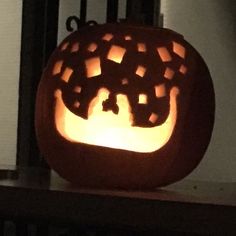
<point>124,107</point>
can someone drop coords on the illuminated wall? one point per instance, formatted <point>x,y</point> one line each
<point>10,38</point>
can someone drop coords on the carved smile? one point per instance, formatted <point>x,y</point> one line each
<point>114,130</point>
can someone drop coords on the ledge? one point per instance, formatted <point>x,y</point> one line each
<point>188,206</point>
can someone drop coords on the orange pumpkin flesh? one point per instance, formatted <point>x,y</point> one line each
<point>124,107</point>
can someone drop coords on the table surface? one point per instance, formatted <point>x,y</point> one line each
<point>189,206</point>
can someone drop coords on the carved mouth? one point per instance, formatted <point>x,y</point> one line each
<point>114,130</point>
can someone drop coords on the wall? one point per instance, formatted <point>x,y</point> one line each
<point>10,38</point>
<point>211,27</point>
<point>66,8</point>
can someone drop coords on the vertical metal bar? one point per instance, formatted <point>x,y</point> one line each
<point>83,11</point>
<point>147,10</point>
<point>39,34</point>
<point>30,56</point>
<point>143,12</point>
<point>112,11</point>
<point>51,31</point>
<point>128,8</point>
<point>134,11</point>
<point>158,17</point>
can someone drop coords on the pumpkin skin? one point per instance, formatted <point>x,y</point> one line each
<point>168,60</point>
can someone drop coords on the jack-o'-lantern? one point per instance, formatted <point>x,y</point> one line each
<point>124,107</point>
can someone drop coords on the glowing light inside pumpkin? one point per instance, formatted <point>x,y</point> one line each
<point>75,47</point>
<point>93,67</point>
<point>169,73</point>
<point>128,37</point>
<point>116,131</point>
<point>142,98</point>
<point>183,69</point>
<point>179,49</point>
<point>141,47</point>
<point>67,74</point>
<point>140,71</point>
<point>57,67</point>
<point>160,90</point>
<point>108,129</point>
<point>153,118</point>
<point>107,37</point>
<point>116,53</point>
<point>164,54</point>
<point>77,104</point>
<point>125,81</point>
<point>92,47</point>
<point>77,89</point>
<point>64,46</point>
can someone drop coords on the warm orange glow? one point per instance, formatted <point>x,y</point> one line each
<point>77,104</point>
<point>64,46</point>
<point>92,47</point>
<point>93,67</point>
<point>75,47</point>
<point>179,49</point>
<point>160,90</point>
<point>116,53</point>
<point>153,118</point>
<point>67,74</point>
<point>142,98</point>
<point>169,73</point>
<point>77,89</point>
<point>116,131</point>
<point>128,37</point>
<point>125,81</point>
<point>164,54</point>
<point>57,67</point>
<point>183,69</point>
<point>140,71</point>
<point>141,47</point>
<point>107,37</point>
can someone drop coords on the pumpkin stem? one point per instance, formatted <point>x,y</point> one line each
<point>79,23</point>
